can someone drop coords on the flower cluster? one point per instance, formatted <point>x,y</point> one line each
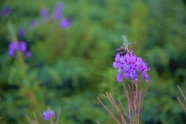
<point>5,11</point>
<point>63,22</point>
<point>18,46</point>
<point>47,115</point>
<point>34,24</point>
<point>44,14</point>
<point>21,32</point>
<point>129,66</point>
<point>57,10</point>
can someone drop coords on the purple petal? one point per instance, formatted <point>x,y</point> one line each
<point>11,53</point>
<point>5,11</point>
<point>117,65</point>
<point>13,46</point>
<point>145,77</point>
<point>48,115</point>
<point>119,77</point>
<point>126,67</point>
<point>22,46</point>
<point>44,14</point>
<point>126,74</point>
<point>28,54</point>
<point>58,10</point>
<point>117,58</point>
<point>133,75</point>
<point>34,24</point>
<point>21,32</point>
<point>64,23</point>
<point>132,59</point>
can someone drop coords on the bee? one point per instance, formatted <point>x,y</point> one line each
<point>125,47</point>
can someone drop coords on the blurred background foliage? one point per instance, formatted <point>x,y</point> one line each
<point>70,67</point>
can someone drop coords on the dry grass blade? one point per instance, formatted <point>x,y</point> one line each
<point>58,115</point>
<point>36,121</point>
<point>184,97</point>
<point>181,104</point>
<point>113,103</point>
<point>108,110</point>
<point>122,107</point>
<point>143,95</point>
<point>98,122</point>
<point>28,119</point>
<point>130,102</point>
<point>140,102</point>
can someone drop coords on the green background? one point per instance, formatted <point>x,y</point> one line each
<point>70,67</point>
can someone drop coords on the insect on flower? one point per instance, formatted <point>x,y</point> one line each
<point>125,46</point>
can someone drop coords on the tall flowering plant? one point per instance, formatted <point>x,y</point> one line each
<point>130,67</point>
<point>57,15</point>
<point>47,117</point>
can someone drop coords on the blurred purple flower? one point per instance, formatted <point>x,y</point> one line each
<point>21,32</point>
<point>18,46</point>
<point>13,46</point>
<point>5,11</point>
<point>47,115</point>
<point>58,10</point>
<point>44,14</point>
<point>34,24</point>
<point>22,46</point>
<point>64,23</point>
<point>28,54</point>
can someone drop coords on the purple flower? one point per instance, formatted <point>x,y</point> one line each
<point>21,32</point>
<point>13,46</point>
<point>11,53</point>
<point>129,66</point>
<point>18,46</point>
<point>119,77</point>
<point>22,46</point>
<point>47,115</point>
<point>5,11</point>
<point>58,10</point>
<point>28,54</point>
<point>133,75</point>
<point>64,23</point>
<point>34,24</point>
<point>44,14</point>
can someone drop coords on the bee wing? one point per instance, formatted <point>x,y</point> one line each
<point>125,41</point>
<point>124,38</point>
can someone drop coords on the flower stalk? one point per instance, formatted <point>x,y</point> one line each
<point>134,97</point>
